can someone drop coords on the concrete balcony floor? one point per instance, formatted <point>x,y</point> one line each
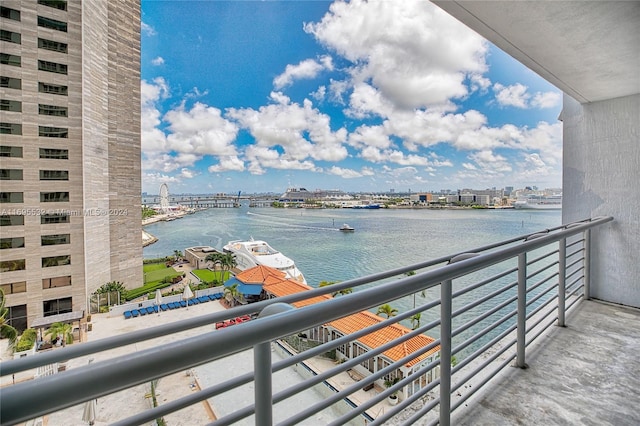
<point>587,373</point>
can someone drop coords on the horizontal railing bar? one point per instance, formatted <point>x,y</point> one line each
<point>575,262</point>
<point>479,284</point>
<point>578,298</point>
<point>538,309</point>
<point>542,282</point>
<point>461,346</point>
<point>479,351</point>
<point>483,299</point>
<point>541,270</point>
<point>579,250</point>
<point>473,321</point>
<point>542,257</point>
<point>543,293</point>
<point>542,330</point>
<point>578,287</point>
<point>573,243</point>
<point>484,381</point>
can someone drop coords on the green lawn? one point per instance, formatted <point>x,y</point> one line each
<point>148,267</point>
<point>208,276</point>
<point>158,272</point>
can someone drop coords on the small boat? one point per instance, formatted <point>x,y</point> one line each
<point>347,228</point>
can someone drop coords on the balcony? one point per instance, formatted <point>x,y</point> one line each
<point>517,303</point>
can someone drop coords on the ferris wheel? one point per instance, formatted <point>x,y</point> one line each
<point>164,198</point>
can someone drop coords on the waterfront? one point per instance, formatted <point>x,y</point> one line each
<point>383,239</point>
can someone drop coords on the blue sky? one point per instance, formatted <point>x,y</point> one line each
<point>359,96</point>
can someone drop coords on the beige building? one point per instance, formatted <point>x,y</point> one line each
<point>69,153</point>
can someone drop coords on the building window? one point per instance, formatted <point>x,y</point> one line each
<point>12,265</point>
<point>47,219</point>
<point>52,67</point>
<point>13,60</point>
<point>10,36</point>
<point>54,197</point>
<point>56,282</point>
<point>10,83</point>
<point>51,240</point>
<point>52,23</point>
<point>54,110</point>
<point>10,129</point>
<point>11,220</point>
<point>48,262</point>
<point>58,4</point>
<point>8,13</point>
<point>55,46</point>
<point>19,287</point>
<point>17,317</point>
<point>11,197</point>
<point>54,89</point>
<point>7,105</point>
<point>10,174</point>
<point>10,243</point>
<point>11,151</point>
<point>52,153</point>
<point>54,175</point>
<point>57,306</point>
<point>53,132</point>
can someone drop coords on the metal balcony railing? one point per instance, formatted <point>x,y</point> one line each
<point>483,309</point>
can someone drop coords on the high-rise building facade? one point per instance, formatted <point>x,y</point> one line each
<point>69,153</point>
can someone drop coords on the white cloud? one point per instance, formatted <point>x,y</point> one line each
<point>227,163</point>
<point>294,134</point>
<point>307,69</point>
<point>147,29</point>
<point>515,95</point>
<point>201,131</point>
<point>153,139</point>
<point>546,100</point>
<point>158,61</point>
<point>344,173</point>
<point>412,52</point>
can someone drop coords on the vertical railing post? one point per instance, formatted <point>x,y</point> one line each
<point>522,310</point>
<point>445,352</point>
<point>587,264</point>
<point>562,280</point>
<point>263,386</point>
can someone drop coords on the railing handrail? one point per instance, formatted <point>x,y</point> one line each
<point>105,377</point>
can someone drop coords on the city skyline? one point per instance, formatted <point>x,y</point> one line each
<point>261,96</point>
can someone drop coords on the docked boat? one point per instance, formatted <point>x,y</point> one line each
<point>347,228</point>
<point>547,202</point>
<point>255,252</point>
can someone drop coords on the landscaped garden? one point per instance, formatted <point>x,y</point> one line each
<point>208,276</point>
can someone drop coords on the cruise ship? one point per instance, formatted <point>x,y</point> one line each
<point>537,202</point>
<point>255,252</point>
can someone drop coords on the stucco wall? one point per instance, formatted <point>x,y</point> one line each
<point>602,177</point>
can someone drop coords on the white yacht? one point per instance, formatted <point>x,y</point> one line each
<point>255,252</point>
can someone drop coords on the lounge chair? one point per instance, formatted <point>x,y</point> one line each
<point>127,314</point>
<point>135,313</point>
<point>156,308</point>
<point>164,307</point>
<point>150,309</point>
<point>171,305</point>
<point>203,299</point>
<point>195,301</point>
<point>183,303</point>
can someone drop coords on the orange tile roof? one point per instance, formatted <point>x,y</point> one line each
<point>361,320</point>
<point>260,275</point>
<point>273,282</point>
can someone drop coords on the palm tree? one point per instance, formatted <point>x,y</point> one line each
<point>213,258</point>
<point>336,293</point>
<point>387,310</point>
<point>177,254</point>
<point>6,330</point>
<point>415,320</point>
<point>62,329</point>
<point>227,262</point>
<point>231,294</point>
